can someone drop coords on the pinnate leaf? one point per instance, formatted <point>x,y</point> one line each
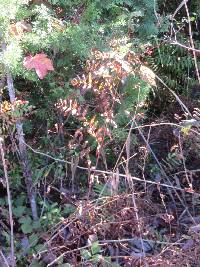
<point>40,62</point>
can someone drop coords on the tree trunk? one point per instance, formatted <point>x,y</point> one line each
<point>22,148</point>
<point>23,153</point>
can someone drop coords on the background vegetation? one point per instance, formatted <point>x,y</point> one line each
<point>99,124</point>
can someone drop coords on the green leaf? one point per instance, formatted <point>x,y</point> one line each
<point>27,228</point>
<point>7,236</point>
<point>39,247</point>
<point>26,224</point>
<point>96,258</point>
<point>25,220</point>
<point>85,254</point>
<point>19,211</point>
<point>36,225</point>
<point>95,248</point>
<point>33,239</point>
<point>68,209</point>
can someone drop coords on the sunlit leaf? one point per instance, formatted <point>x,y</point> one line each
<point>40,62</point>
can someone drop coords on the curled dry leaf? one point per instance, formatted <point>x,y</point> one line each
<point>40,62</point>
<point>17,29</point>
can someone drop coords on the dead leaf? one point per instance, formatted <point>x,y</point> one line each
<point>40,62</point>
<point>17,29</point>
<point>195,229</point>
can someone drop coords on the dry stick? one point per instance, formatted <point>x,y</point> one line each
<point>22,148</point>
<point>113,173</point>
<point>139,229</point>
<point>128,144</point>
<point>2,82</point>
<point>183,106</point>
<point>183,161</point>
<point>13,263</point>
<point>4,258</point>
<point>192,48</point>
<point>105,242</point>
<point>164,174</point>
<point>184,46</point>
<point>179,7</point>
<point>192,42</point>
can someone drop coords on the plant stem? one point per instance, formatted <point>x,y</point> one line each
<point>13,263</point>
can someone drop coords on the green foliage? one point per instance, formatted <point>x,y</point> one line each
<point>26,224</point>
<point>52,215</point>
<point>80,112</point>
<point>175,65</point>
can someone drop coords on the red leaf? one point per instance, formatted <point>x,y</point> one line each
<point>40,62</point>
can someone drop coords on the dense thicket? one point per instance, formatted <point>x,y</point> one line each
<point>80,79</point>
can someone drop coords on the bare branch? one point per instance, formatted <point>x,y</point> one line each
<point>114,173</point>
<point>179,7</point>
<point>13,263</point>
<point>192,42</point>
<point>184,46</point>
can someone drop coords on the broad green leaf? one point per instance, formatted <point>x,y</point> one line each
<point>27,228</point>
<point>25,220</point>
<point>33,239</point>
<point>19,211</point>
<point>85,254</point>
<point>95,248</point>
<point>39,247</point>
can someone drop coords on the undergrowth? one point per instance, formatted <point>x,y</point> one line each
<point>99,108</point>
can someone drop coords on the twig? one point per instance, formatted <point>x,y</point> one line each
<point>128,148</point>
<point>13,263</point>
<point>105,242</point>
<point>179,7</point>
<point>111,172</point>
<point>191,41</point>
<point>191,123</point>
<point>67,252</point>
<point>184,46</point>
<point>4,258</point>
<point>133,239</point>
<point>183,106</point>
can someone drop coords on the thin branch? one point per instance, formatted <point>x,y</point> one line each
<point>191,123</point>
<point>105,242</point>
<point>13,263</point>
<point>184,46</point>
<point>4,259</point>
<point>133,239</point>
<point>179,7</point>
<point>183,106</point>
<point>113,173</point>
<point>191,41</point>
